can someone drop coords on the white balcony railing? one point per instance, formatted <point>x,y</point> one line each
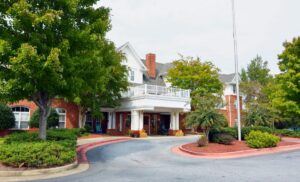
<point>143,90</point>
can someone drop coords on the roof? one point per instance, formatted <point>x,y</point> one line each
<point>163,68</point>
<point>226,78</point>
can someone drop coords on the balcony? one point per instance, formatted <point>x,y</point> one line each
<point>154,90</point>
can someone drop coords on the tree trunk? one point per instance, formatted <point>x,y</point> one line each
<point>43,101</point>
<point>82,112</point>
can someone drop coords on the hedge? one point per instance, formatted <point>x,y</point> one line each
<point>7,118</point>
<point>288,133</point>
<point>258,139</point>
<point>52,135</point>
<point>37,154</point>
<point>26,149</point>
<point>224,130</point>
<point>222,138</point>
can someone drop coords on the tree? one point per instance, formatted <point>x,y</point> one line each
<point>49,49</point>
<point>105,89</point>
<point>7,119</point>
<point>257,71</point>
<point>200,77</point>
<point>52,120</point>
<point>205,119</point>
<point>254,79</point>
<point>289,78</point>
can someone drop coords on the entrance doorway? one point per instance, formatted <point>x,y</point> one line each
<point>164,124</point>
<point>97,124</point>
<point>156,124</point>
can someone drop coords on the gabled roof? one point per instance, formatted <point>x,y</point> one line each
<point>227,78</point>
<point>129,46</point>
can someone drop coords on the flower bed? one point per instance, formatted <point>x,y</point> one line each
<point>220,148</point>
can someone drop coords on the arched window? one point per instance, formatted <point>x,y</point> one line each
<point>62,117</point>
<point>22,117</point>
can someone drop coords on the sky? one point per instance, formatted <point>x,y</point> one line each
<point>203,28</point>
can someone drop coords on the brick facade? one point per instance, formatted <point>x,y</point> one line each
<point>72,112</point>
<point>230,111</point>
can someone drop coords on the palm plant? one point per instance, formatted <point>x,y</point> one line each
<point>205,119</point>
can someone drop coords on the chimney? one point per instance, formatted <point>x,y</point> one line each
<point>151,65</point>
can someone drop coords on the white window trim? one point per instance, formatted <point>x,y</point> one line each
<point>19,112</point>
<point>65,114</point>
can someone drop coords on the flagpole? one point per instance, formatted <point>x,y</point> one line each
<point>236,72</point>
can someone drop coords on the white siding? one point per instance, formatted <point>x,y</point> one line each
<point>134,64</point>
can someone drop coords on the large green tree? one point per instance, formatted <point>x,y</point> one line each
<point>102,87</point>
<point>286,96</point>
<point>256,82</point>
<point>51,49</point>
<point>201,77</point>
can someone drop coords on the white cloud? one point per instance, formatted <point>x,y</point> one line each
<point>204,28</point>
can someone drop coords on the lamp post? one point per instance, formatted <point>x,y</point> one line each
<point>236,72</point>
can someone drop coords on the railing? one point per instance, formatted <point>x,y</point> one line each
<point>142,90</point>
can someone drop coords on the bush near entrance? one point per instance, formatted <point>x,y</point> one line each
<point>24,149</point>
<point>7,118</point>
<point>288,133</point>
<point>223,138</point>
<point>258,139</point>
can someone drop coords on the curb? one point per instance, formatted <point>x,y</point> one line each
<point>237,154</point>
<point>33,172</point>
<point>82,149</point>
<point>80,165</point>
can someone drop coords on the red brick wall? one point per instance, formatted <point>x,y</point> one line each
<point>72,112</point>
<point>231,112</point>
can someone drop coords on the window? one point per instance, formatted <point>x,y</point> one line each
<point>128,121</point>
<point>234,89</point>
<point>62,117</point>
<point>88,119</point>
<point>22,117</point>
<point>131,75</point>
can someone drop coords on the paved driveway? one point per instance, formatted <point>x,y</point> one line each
<point>151,160</point>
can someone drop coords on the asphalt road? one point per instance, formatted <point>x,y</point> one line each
<point>152,160</point>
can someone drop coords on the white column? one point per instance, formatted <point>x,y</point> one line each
<point>177,120</point>
<point>141,120</point>
<point>174,124</point>
<point>109,125</point>
<point>114,120</point>
<point>134,120</point>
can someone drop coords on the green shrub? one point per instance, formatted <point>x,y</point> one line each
<point>227,130</point>
<point>288,133</point>
<point>222,138</point>
<point>37,154</point>
<point>258,139</point>
<point>62,134</point>
<point>89,128</point>
<point>7,118</point>
<point>202,141</point>
<point>247,130</point>
<point>52,135</point>
<point>22,137</point>
<point>52,122</point>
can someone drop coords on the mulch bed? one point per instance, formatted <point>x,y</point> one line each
<point>220,148</point>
